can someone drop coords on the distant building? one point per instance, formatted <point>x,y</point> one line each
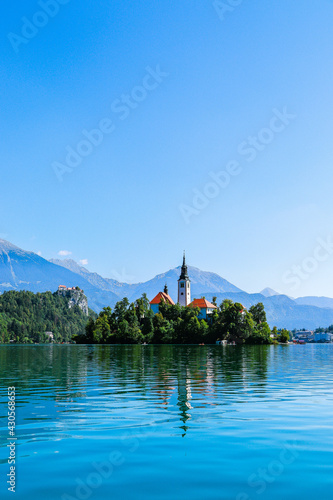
<point>184,296</point>
<point>50,336</point>
<point>323,337</point>
<point>63,288</point>
<point>161,296</point>
<point>306,335</point>
<point>184,286</point>
<point>206,308</point>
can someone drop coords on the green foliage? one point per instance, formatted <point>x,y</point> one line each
<point>136,324</point>
<point>284,336</point>
<point>258,313</point>
<point>261,334</point>
<point>25,317</point>
<point>232,322</point>
<point>329,329</point>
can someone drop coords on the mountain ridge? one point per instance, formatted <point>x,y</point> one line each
<point>23,270</point>
<point>199,280</point>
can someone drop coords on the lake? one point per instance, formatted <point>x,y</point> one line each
<point>169,422</point>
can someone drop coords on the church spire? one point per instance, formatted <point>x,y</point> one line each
<point>184,285</point>
<point>184,273</point>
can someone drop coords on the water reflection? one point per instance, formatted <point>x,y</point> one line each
<point>193,421</point>
<point>181,379</point>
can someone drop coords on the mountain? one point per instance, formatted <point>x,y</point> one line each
<point>201,281</point>
<point>110,285</point>
<point>315,301</point>
<point>268,292</point>
<point>21,270</point>
<point>281,311</point>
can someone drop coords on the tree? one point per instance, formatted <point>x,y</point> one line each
<point>4,335</point>
<point>232,322</point>
<point>261,334</point>
<point>142,306</point>
<point>90,330</point>
<point>275,332</point>
<point>284,336</point>
<point>26,316</point>
<point>147,327</point>
<point>162,330</point>
<point>169,311</point>
<point>258,313</point>
<point>120,309</point>
<point>102,330</point>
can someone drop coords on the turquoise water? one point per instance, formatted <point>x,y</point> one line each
<point>169,422</point>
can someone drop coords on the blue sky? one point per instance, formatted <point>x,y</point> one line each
<point>221,79</point>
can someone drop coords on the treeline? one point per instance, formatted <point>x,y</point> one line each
<point>135,323</point>
<point>329,329</point>
<point>25,317</point>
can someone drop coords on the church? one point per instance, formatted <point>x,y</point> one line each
<point>184,296</point>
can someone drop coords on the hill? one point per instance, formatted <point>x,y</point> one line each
<point>315,301</point>
<point>106,284</point>
<point>22,270</point>
<point>26,317</point>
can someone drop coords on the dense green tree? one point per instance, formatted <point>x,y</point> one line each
<point>261,334</point>
<point>135,323</point>
<point>120,309</point>
<point>284,336</point>
<point>170,312</point>
<point>4,335</point>
<point>258,313</point>
<point>162,330</point>
<point>232,322</point>
<point>275,332</point>
<point>142,307</point>
<point>102,330</point>
<point>147,326</point>
<point>25,317</point>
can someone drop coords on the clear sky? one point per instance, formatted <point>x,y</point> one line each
<point>183,92</point>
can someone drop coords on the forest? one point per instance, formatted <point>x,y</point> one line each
<point>135,323</point>
<point>25,317</point>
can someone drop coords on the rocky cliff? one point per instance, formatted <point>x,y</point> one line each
<point>75,297</point>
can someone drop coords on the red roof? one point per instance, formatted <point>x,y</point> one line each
<point>202,303</point>
<point>162,296</point>
<point>62,286</point>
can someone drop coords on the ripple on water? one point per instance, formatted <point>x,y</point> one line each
<point>184,421</point>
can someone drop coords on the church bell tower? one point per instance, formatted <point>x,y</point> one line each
<point>184,286</point>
